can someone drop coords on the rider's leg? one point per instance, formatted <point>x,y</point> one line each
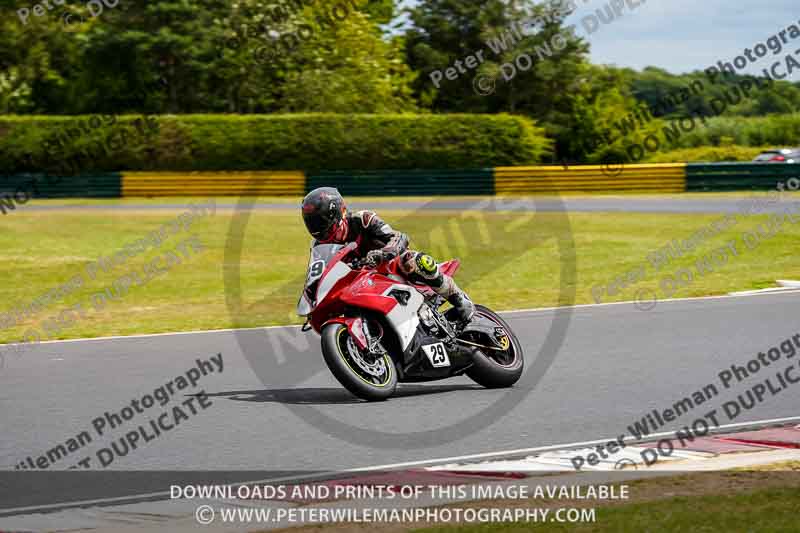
<point>423,268</point>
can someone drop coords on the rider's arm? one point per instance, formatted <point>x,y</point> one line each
<point>381,235</point>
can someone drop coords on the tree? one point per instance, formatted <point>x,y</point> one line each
<point>193,56</point>
<point>345,66</point>
<point>526,47</point>
<point>608,119</point>
<point>153,56</point>
<point>37,59</point>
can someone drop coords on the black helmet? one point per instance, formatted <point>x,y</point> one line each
<point>323,208</point>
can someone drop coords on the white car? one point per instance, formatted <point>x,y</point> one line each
<point>780,155</point>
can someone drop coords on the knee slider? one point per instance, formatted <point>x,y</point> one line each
<point>426,265</point>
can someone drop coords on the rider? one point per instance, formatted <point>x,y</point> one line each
<point>328,221</point>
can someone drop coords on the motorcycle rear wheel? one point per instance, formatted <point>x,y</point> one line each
<point>345,360</point>
<point>495,369</point>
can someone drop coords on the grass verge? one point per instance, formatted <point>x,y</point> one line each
<point>509,261</point>
<point>751,500</point>
<point>773,510</point>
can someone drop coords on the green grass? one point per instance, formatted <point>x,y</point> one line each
<point>509,261</point>
<point>773,510</point>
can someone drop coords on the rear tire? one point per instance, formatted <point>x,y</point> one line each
<point>487,371</point>
<point>344,368</point>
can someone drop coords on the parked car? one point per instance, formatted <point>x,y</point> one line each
<point>779,155</point>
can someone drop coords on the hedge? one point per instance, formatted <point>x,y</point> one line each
<point>771,130</point>
<point>711,154</point>
<point>307,142</point>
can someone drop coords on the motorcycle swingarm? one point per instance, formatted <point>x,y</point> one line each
<point>485,326</point>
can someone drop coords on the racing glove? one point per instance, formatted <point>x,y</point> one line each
<point>376,257</point>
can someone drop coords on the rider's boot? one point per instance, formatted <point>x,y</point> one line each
<point>463,308</point>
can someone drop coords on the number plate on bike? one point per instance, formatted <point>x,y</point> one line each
<point>437,354</point>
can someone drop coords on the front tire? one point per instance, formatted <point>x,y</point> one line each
<point>369,380</point>
<point>493,369</point>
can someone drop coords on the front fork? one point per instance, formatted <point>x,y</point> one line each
<point>359,331</point>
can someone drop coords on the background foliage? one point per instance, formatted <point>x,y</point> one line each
<point>263,57</point>
<point>280,141</point>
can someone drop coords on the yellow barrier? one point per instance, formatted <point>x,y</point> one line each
<point>666,178</point>
<point>243,183</point>
<point>653,178</point>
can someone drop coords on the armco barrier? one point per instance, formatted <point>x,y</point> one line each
<point>666,178</point>
<point>255,183</point>
<point>96,185</point>
<point>738,176</point>
<point>406,182</point>
<point>597,179</point>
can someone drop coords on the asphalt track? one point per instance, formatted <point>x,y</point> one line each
<point>573,205</point>
<point>616,364</point>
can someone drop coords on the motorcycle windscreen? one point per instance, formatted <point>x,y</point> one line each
<point>321,255</point>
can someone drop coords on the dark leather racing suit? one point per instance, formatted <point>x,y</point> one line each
<point>372,234</point>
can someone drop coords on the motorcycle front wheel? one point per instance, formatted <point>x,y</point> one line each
<point>368,377</point>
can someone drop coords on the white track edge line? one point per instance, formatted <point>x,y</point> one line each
<point>512,311</point>
<point>659,302</point>
<point>18,510</point>
<point>569,446</point>
<point>147,335</point>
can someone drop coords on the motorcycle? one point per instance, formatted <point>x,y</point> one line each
<point>378,329</point>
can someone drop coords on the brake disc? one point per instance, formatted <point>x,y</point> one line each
<point>376,369</point>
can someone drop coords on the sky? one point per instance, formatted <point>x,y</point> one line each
<point>685,35</point>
